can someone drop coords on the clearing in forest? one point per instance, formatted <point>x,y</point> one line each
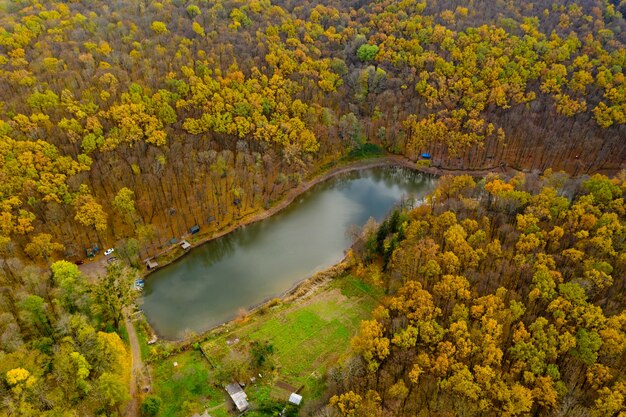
<point>307,336</point>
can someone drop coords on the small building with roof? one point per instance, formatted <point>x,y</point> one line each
<point>185,245</point>
<point>238,396</point>
<point>295,398</point>
<point>150,264</point>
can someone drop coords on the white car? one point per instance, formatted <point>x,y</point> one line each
<point>108,252</point>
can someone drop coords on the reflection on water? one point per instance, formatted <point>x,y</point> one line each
<point>207,286</point>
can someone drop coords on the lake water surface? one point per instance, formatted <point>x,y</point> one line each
<point>213,282</point>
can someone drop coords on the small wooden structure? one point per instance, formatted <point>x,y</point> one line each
<point>185,245</point>
<point>150,264</point>
<point>238,396</point>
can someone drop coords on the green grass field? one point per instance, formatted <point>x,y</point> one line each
<point>308,336</point>
<point>185,386</point>
<point>143,341</point>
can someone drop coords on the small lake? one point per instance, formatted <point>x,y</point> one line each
<point>209,285</point>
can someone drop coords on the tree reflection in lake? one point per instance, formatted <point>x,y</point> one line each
<point>207,286</point>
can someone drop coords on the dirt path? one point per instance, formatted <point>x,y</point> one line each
<point>94,268</point>
<point>132,410</point>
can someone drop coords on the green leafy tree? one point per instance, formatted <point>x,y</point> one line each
<point>367,52</point>
<point>68,279</point>
<point>113,293</point>
<point>34,313</point>
<point>151,406</point>
<point>113,390</point>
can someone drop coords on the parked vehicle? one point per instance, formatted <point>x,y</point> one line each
<point>109,251</point>
<point>79,262</point>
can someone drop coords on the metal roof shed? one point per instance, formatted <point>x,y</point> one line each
<point>238,396</point>
<point>185,245</point>
<point>295,398</point>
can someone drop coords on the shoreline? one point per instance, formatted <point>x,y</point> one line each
<point>297,292</point>
<point>317,178</point>
<point>317,279</point>
<point>289,198</point>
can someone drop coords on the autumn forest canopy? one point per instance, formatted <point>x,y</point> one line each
<point>100,100</point>
<point>124,123</point>
<point>506,298</point>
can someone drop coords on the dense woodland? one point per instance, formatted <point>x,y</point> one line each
<point>130,121</point>
<point>59,354</point>
<point>506,299</point>
<point>123,123</point>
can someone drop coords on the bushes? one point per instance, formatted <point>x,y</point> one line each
<point>367,150</point>
<point>151,406</point>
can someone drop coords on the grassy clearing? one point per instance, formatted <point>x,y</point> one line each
<point>367,150</point>
<point>185,387</point>
<point>143,340</point>
<point>307,336</point>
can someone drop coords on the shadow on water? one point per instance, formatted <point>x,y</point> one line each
<point>207,286</point>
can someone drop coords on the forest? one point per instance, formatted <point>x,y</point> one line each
<point>101,99</point>
<point>125,123</point>
<point>505,298</point>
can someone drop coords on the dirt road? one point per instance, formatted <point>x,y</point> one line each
<point>132,410</point>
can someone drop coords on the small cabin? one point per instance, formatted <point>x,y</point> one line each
<point>185,245</point>
<point>238,396</point>
<point>194,229</point>
<point>426,156</point>
<point>150,264</point>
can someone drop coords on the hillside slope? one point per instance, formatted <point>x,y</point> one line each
<point>212,110</point>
